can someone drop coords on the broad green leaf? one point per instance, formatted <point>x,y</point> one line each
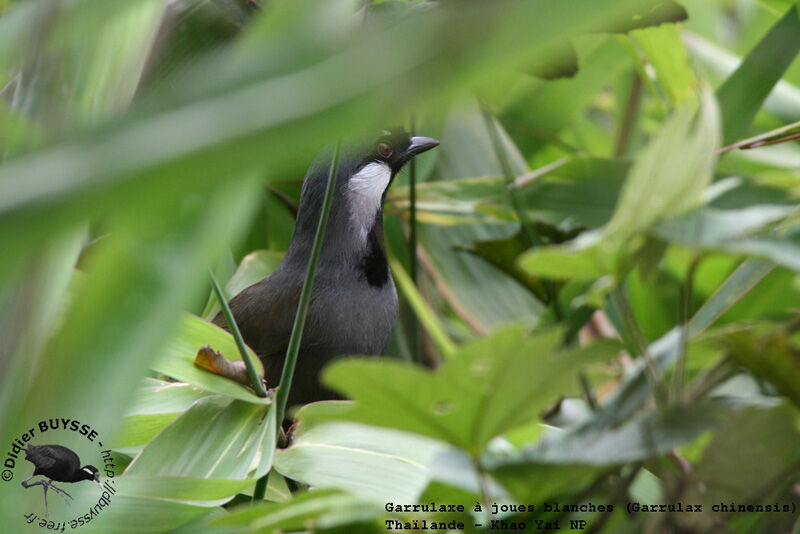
<point>489,387</point>
<point>780,249</point>
<point>645,436</point>
<point>548,107</point>
<point>481,294</point>
<point>783,101</point>
<point>710,226</point>
<point>135,515</point>
<point>744,92</point>
<point>268,105</point>
<point>586,258</point>
<point>670,174</point>
<point>485,293</point>
<point>217,439</point>
<point>153,407</point>
<point>503,253</point>
<point>581,192</point>
<point>177,360</point>
<point>377,464</point>
<point>200,491</point>
<point>664,49</point>
<point>25,343</point>
<point>137,282</point>
<point>312,510</point>
<point>532,482</point>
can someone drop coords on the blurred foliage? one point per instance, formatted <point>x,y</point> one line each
<point>607,296</point>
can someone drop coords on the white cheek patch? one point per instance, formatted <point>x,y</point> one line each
<point>88,471</point>
<point>371,181</point>
<point>366,191</point>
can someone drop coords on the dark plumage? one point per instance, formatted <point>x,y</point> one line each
<point>353,306</point>
<point>57,463</point>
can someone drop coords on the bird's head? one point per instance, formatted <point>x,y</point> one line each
<point>367,167</point>
<point>90,472</point>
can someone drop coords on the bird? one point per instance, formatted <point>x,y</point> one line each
<point>353,307</point>
<point>58,463</point>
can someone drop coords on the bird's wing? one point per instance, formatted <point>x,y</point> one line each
<point>264,313</point>
<point>46,456</point>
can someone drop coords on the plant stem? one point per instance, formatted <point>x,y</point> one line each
<point>517,204</point>
<point>484,488</point>
<point>719,373</point>
<point>293,349</point>
<point>618,496</point>
<point>680,370</point>
<point>255,380</point>
<point>426,316</point>
<point>415,341</point>
<point>641,343</point>
<point>587,391</point>
<point>629,119</point>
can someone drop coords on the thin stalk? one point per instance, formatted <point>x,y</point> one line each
<point>426,315</point>
<point>508,174</point>
<point>640,343</point>
<point>484,488</point>
<point>415,339</point>
<point>619,495</point>
<point>680,370</point>
<point>719,373</point>
<point>629,119</point>
<point>255,380</point>
<point>290,362</point>
<point>517,203</point>
<point>587,391</point>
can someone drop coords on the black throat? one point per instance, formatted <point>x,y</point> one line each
<point>373,266</point>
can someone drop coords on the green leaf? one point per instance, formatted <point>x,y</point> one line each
<point>313,510</point>
<point>586,258</point>
<point>744,92</point>
<point>581,192</point>
<point>200,491</point>
<point>377,464</point>
<point>783,101</point>
<point>532,482</point>
<point>664,49</point>
<point>153,407</point>
<point>137,282</point>
<point>488,295</point>
<point>128,514</point>
<point>216,438</point>
<point>489,387</point>
<point>670,174</point>
<point>648,435</point>
<point>177,360</point>
<point>708,226</point>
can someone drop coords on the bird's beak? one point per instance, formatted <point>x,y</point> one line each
<point>419,145</point>
<point>98,484</point>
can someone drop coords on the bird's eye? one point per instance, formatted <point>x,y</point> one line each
<point>384,149</point>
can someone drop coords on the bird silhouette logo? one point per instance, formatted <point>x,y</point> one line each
<point>57,464</point>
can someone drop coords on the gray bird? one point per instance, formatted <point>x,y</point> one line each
<point>353,306</point>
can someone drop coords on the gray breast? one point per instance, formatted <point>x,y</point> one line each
<point>348,316</point>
